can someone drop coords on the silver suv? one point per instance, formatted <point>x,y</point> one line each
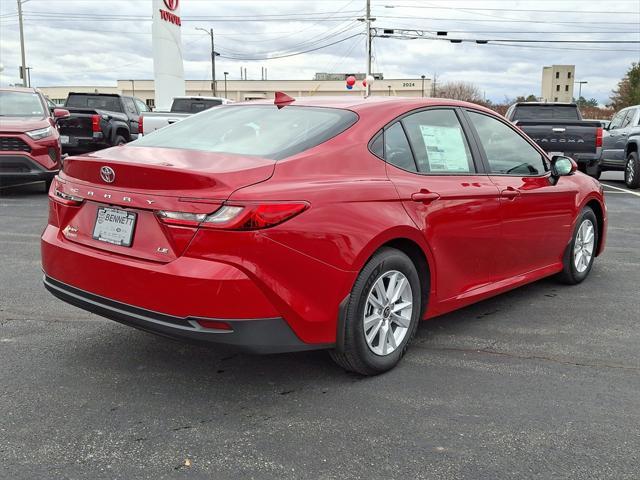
<point>620,145</point>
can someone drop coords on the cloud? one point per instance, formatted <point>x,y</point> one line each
<point>71,42</point>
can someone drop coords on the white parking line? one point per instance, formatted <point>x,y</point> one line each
<point>621,189</point>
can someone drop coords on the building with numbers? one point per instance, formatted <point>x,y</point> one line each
<point>240,90</point>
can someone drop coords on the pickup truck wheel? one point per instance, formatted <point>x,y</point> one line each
<point>632,171</point>
<point>120,140</point>
<point>581,251</point>
<point>382,314</point>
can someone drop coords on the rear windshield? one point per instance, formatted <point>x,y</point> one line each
<point>20,104</point>
<point>257,130</point>
<point>99,102</point>
<point>542,112</point>
<point>187,105</point>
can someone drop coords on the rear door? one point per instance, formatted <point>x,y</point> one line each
<point>430,161</point>
<point>536,215</point>
<point>611,151</point>
<point>132,114</point>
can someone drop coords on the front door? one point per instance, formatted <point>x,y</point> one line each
<point>431,164</point>
<point>613,143</point>
<point>536,215</point>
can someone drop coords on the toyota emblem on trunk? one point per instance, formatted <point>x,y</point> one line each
<point>107,174</point>
<point>171,4</point>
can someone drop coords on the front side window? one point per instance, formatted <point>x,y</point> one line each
<point>397,150</point>
<point>438,142</point>
<point>617,120</point>
<point>255,130</point>
<point>20,104</point>
<point>506,151</point>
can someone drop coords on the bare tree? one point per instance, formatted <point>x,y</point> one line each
<point>465,91</point>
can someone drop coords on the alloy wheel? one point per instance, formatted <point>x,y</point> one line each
<point>387,312</point>
<point>630,171</point>
<point>584,246</point>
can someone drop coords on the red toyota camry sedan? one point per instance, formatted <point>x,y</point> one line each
<point>316,223</point>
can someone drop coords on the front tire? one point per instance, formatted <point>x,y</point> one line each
<point>382,314</point>
<point>632,171</point>
<point>580,254</point>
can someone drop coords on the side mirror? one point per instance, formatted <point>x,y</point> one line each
<point>60,113</point>
<point>562,166</point>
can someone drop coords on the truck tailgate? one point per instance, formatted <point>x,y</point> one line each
<point>565,137</point>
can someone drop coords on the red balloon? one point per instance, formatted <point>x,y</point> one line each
<point>351,80</point>
<point>364,83</point>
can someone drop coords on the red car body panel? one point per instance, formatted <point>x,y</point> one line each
<point>40,160</point>
<point>302,270</point>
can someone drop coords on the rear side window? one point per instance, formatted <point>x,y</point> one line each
<point>255,130</point>
<point>506,151</point>
<point>396,148</point>
<point>188,105</point>
<point>627,119</point>
<point>438,142</point>
<point>99,102</point>
<point>543,112</point>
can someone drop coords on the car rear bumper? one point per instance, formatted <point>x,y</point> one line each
<point>265,335</point>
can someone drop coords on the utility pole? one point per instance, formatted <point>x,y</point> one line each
<point>435,81</point>
<point>367,20</point>
<point>214,54</point>
<point>24,58</point>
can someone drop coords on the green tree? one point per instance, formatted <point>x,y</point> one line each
<point>583,102</point>
<point>628,91</point>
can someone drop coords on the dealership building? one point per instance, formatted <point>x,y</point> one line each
<point>240,90</point>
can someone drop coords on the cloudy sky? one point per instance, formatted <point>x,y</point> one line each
<point>96,42</point>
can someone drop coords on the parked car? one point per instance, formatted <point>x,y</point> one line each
<point>560,130</point>
<point>29,140</point>
<point>317,224</point>
<point>181,108</point>
<point>620,145</point>
<point>100,120</point>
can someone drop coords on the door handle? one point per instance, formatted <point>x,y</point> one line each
<point>424,196</point>
<point>510,193</point>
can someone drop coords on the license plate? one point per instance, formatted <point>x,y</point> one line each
<point>114,226</point>
<point>64,139</point>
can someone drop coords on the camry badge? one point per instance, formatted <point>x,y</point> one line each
<point>107,174</point>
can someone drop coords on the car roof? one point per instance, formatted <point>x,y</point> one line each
<point>356,103</point>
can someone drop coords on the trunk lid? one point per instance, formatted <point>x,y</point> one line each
<point>146,180</point>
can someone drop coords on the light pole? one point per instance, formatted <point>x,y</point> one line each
<point>24,57</point>
<point>422,77</point>
<point>225,84</point>
<point>580,89</point>
<point>214,54</point>
<point>389,87</point>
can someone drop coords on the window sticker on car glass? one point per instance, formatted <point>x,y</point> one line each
<point>445,149</point>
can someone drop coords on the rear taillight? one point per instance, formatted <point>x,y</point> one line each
<point>95,123</point>
<point>67,199</point>
<point>237,217</point>
<point>141,125</point>
<point>599,137</point>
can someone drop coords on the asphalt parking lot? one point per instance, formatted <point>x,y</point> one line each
<point>542,382</point>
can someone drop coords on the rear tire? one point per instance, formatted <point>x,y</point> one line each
<point>595,172</point>
<point>378,323</point>
<point>119,140</point>
<point>580,254</point>
<point>632,171</point>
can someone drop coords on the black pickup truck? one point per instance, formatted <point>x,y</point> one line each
<point>99,120</point>
<point>560,130</point>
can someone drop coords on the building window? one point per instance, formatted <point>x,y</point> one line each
<point>555,99</point>
<point>151,102</point>
<point>557,74</point>
<point>566,88</point>
<point>569,75</point>
<point>557,88</point>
